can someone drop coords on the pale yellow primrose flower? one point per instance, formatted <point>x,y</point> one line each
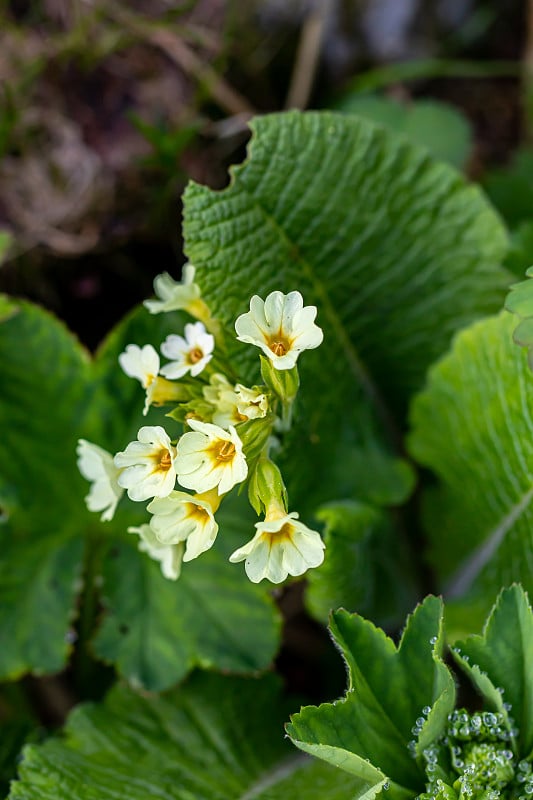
<point>96,465</point>
<point>170,556</point>
<point>175,295</point>
<point>281,326</point>
<point>282,546</point>
<point>221,394</point>
<point>233,404</point>
<point>209,457</point>
<point>251,403</point>
<point>189,354</point>
<point>140,362</point>
<point>183,517</point>
<point>143,363</point>
<point>147,464</point>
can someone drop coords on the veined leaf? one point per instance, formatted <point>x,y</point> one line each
<point>473,426</point>
<point>45,392</point>
<point>155,631</point>
<point>389,690</point>
<point>215,738</point>
<point>499,662</point>
<point>395,249</point>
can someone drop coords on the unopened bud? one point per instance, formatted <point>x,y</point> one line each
<point>266,487</point>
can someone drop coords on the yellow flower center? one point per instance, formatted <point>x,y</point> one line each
<point>275,538</point>
<point>225,451</point>
<point>165,460</point>
<point>195,355</point>
<point>285,532</point>
<point>197,512</point>
<point>279,343</point>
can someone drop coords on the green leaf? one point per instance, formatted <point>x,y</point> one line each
<point>473,427</point>
<point>346,212</point>
<point>364,554</point>
<point>17,726</point>
<point>389,690</point>
<point>440,128</point>
<point>503,655</point>
<point>155,630</point>
<point>45,392</point>
<point>326,204</point>
<point>520,302</point>
<point>215,738</point>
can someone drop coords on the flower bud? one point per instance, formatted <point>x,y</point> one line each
<point>266,488</point>
<point>254,434</point>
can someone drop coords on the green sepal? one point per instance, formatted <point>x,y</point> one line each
<point>254,435</point>
<point>195,409</point>
<point>265,486</point>
<point>283,382</point>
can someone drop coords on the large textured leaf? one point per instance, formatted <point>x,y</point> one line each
<point>473,426</point>
<point>395,249</point>
<point>51,395</point>
<point>215,738</point>
<point>499,662</point>
<point>45,391</point>
<point>389,689</point>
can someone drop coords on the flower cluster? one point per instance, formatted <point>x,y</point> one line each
<point>225,433</point>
